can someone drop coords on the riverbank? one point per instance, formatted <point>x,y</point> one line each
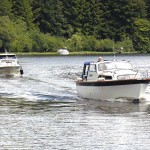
<point>71,53</point>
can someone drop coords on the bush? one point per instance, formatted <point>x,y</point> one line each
<point>124,46</point>
<point>75,43</point>
<point>106,45</point>
<point>45,42</point>
<point>14,35</point>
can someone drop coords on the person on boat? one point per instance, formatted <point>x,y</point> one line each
<point>100,59</point>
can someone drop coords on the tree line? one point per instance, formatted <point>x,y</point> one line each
<point>79,25</point>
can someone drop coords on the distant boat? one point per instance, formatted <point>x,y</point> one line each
<point>63,51</point>
<point>9,65</point>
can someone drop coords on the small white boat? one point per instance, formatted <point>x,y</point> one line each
<point>111,80</point>
<point>63,51</point>
<point>9,65</point>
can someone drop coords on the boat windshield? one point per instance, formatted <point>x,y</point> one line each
<point>8,56</point>
<point>114,65</point>
<point>123,65</point>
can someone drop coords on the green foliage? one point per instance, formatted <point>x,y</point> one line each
<point>45,42</point>
<point>143,25</point>
<point>148,8</point>
<point>83,16</point>
<point>6,8</point>
<point>7,31</point>
<point>80,42</point>
<point>125,45</point>
<point>106,45</point>
<point>51,18</point>
<point>90,43</point>
<point>14,35</point>
<point>75,43</point>
<point>142,35</point>
<point>23,10</point>
<point>1,43</point>
<point>93,44</point>
<point>45,26</point>
<point>118,17</point>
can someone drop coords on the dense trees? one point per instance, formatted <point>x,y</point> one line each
<point>95,25</point>
<point>22,9</point>
<point>51,18</point>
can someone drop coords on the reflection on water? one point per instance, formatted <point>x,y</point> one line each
<point>43,111</point>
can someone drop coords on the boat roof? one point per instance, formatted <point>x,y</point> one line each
<point>88,62</point>
<point>105,61</point>
<point>92,62</point>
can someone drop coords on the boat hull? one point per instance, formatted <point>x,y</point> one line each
<point>10,71</point>
<point>99,90</point>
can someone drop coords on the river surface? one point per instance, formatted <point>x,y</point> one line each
<point>42,111</point>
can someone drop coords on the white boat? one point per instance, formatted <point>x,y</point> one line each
<point>9,65</point>
<point>63,51</point>
<point>111,80</point>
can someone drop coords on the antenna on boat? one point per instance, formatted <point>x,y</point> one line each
<point>114,51</point>
<point>114,56</point>
<point>6,50</point>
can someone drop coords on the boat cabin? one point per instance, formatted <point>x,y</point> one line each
<point>107,70</point>
<point>8,59</point>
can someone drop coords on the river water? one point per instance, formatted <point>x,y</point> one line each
<point>42,110</point>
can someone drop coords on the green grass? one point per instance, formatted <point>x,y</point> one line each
<point>71,53</point>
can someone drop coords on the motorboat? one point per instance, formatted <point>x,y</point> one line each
<point>63,51</point>
<point>111,79</point>
<point>9,65</point>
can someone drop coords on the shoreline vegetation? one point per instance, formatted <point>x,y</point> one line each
<point>31,27</point>
<point>75,53</point>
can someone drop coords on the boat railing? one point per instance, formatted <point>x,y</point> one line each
<point>145,72</point>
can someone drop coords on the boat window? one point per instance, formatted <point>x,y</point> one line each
<point>123,65</point>
<point>114,65</point>
<point>92,68</point>
<point>12,56</point>
<point>102,67</point>
<point>110,65</point>
<point>8,56</point>
<point>105,77</point>
<point>3,57</point>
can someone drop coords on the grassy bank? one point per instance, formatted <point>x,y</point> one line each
<point>71,53</point>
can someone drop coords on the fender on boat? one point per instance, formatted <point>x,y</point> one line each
<point>21,71</point>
